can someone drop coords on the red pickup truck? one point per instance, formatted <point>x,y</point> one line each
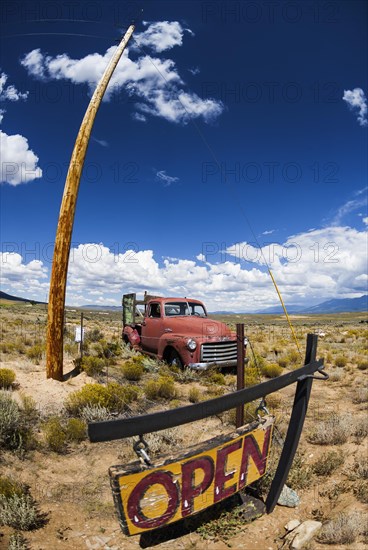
<point>178,331</point>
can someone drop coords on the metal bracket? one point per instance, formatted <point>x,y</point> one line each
<point>141,449</point>
<point>320,371</point>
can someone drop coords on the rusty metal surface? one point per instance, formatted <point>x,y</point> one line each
<point>54,342</point>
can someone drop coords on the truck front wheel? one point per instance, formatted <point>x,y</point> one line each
<point>175,359</point>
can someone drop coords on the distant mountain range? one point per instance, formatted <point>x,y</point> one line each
<point>342,305</point>
<point>330,306</point>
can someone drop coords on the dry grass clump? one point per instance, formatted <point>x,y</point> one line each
<point>361,492</point>
<point>59,433</point>
<point>344,529</point>
<point>35,353</point>
<point>335,375</point>
<point>95,413</point>
<point>363,365</point>
<point>360,395</point>
<point>341,361</point>
<point>335,430</point>
<point>162,388</point>
<point>216,378</point>
<point>300,473</point>
<point>328,463</point>
<point>271,370</point>
<point>7,378</point>
<point>194,395</point>
<point>359,470</point>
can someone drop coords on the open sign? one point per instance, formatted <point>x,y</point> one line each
<point>173,489</point>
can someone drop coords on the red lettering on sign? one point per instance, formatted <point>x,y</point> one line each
<point>221,476</point>
<point>135,512</point>
<point>259,457</point>
<point>189,490</point>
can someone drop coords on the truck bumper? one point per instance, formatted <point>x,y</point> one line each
<point>206,366</point>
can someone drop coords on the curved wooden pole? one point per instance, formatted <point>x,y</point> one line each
<point>54,342</point>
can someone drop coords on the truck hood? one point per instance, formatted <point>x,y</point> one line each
<point>199,327</point>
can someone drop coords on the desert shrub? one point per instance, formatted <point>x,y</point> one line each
<point>271,370</point>
<point>19,511</point>
<point>55,434</point>
<point>35,353</point>
<point>344,529</point>
<point>257,362</point>
<point>362,365</point>
<point>361,492</point>
<point>163,441</point>
<point>217,378</point>
<point>113,397</point>
<point>133,369</point>
<point>92,365</point>
<point>162,388</point>
<point>328,463</point>
<point>7,377</point>
<point>341,361</point>
<point>360,395</point>
<point>10,420</point>
<point>94,335</point>
<point>75,430</point>
<point>300,473</point>
<point>335,375</point>
<point>249,414</point>
<point>251,376</point>
<point>194,395</point>
<point>294,356</point>
<point>283,361</point>
<point>95,413</point>
<point>71,349</point>
<point>332,431</point>
<point>9,487</point>
<point>17,541</point>
<point>360,428</point>
<point>359,469</point>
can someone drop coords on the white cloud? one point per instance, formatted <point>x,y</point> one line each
<point>357,100</point>
<point>154,82</point>
<point>194,70</point>
<point>308,267</point>
<point>165,178</point>
<point>365,220</point>
<point>350,206</point>
<point>269,232</point>
<point>139,116</point>
<point>18,161</point>
<point>10,93</point>
<point>101,142</point>
<point>160,36</point>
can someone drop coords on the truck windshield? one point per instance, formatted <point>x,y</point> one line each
<point>184,308</point>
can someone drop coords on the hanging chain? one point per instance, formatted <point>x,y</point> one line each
<point>141,449</point>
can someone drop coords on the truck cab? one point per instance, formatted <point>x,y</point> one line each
<point>179,331</point>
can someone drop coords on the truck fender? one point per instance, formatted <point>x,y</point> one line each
<point>132,335</point>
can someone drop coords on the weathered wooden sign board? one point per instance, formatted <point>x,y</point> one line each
<point>176,488</point>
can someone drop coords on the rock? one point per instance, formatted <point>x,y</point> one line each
<point>292,524</point>
<point>288,497</point>
<point>304,533</point>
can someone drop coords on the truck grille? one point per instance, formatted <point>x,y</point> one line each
<point>218,351</point>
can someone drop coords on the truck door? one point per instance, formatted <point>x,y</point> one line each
<point>152,327</point>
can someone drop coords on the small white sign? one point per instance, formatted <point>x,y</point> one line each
<point>78,334</point>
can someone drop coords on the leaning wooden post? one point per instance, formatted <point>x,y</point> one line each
<point>54,342</point>
<point>240,371</point>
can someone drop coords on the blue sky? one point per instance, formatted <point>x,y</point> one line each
<point>232,134</point>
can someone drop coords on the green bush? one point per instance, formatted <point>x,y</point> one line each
<point>55,434</point>
<point>35,353</point>
<point>340,361</point>
<point>76,430</point>
<point>251,376</point>
<point>133,369</point>
<point>19,511</point>
<point>113,397</point>
<point>162,388</point>
<point>7,377</point>
<point>217,378</point>
<point>271,370</point>
<point>283,361</point>
<point>9,487</point>
<point>17,423</point>
<point>92,365</point>
<point>94,335</point>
